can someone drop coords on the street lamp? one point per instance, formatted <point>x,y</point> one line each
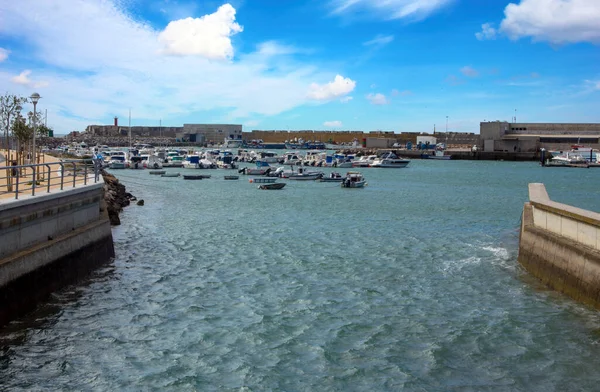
<point>446,125</point>
<point>35,97</point>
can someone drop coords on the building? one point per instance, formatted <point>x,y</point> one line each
<point>209,133</point>
<point>530,137</point>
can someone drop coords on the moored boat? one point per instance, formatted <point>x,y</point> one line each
<point>231,177</point>
<point>170,175</point>
<point>354,180</point>
<point>390,160</point>
<point>277,185</point>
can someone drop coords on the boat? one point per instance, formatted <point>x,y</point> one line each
<point>170,175</point>
<point>438,153</point>
<point>231,142</point>
<point>333,177</point>
<point>192,177</point>
<point>353,180</point>
<point>136,162</point>
<point>157,172</point>
<point>263,180</point>
<point>118,162</point>
<point>568,160</point>
<point>302,174</point>
<point>390,160</point>
<point>587,153</point>
<point>231,177</point>
<point>364,161</point>
<point>277,185</point>
<point>153,162</point>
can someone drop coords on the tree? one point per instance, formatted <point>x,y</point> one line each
<point>21,131</point>
<point>10,106</point>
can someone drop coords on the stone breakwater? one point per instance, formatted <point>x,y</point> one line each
<point>115,197</point>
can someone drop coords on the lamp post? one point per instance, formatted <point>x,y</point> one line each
<point>35,97</point>
<point>446,125</point>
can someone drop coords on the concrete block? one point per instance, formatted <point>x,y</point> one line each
<point>569,228</point>
<point>64,223</point>
<point>553,223</point>
<point>587,235</point>
<point>539,218</point>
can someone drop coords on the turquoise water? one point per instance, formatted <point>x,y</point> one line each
<point>409,284</point>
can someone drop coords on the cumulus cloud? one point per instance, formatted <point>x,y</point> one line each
<point>346,99</point>
<point>339,87</point>
<point>333,124</point>
<point>379,41</point>
<point>556,21</point>
<point>487,32</point>
<point>377,99</point>
<point>469,71</point>
<point>3,54</point>
<point>208,36</point>
<point>23,79</point>
<point>391,9</point>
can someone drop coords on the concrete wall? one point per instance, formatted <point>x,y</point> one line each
<point>560,245</point>
<point>50,240</point>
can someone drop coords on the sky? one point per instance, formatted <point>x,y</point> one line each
<point>392,65</point>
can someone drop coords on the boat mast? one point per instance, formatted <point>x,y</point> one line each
<point>130,130</point>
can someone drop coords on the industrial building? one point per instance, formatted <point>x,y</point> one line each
<point>531,137</point>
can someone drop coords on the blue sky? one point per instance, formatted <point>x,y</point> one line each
<point>395,65</point>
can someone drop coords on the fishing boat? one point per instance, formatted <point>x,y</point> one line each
<point>333,177</point>
<point>390,160</point>
<point>170,175</point>
<point>195,176</point>
<point>354,180</point>
<point>277,185</point>
<point>302,174</point>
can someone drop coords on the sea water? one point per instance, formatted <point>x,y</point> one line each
<point>411,283</point>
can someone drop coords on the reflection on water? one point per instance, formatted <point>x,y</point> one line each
<point>409,283</point>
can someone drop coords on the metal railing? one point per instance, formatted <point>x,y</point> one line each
<point>45,177</point>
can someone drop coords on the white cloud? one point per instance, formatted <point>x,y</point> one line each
<point>346,99</point>
<point>556,21</point>
<point>3,54</point>
<point>326,92</point>
<point>487,32</point>
<point>379,41</point>
<point>377,99</point>
<point>469,71</point>
<point>90,79</point>
<point>23,79</point>
<point>207,36</point>
<point>391,9</point>
<point>404,93</point>
<point>273,48</point>
<point>333,124</point>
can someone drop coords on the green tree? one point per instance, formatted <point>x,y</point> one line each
<point>10,108</point>
<point>21,131</point>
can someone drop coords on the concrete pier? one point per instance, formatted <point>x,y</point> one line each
<point>560,245</point>
<point>50,240</point>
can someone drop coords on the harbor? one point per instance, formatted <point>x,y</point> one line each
<point>234,285</point>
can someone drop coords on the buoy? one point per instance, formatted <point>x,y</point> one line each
<point>251,180</point>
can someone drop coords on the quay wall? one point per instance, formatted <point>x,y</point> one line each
<point>48,241</point>
<point>560,245</point>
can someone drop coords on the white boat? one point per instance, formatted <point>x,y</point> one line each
<point>364,161</point>
<point>587,153</point>
<point>292,158</point>
<point>232,143</point>
<point>136,162</point>
<point>354,179</point>
<point>117,162</point>
<point>568,159</point>
<point>390,160</point>
<point>153,162</point>
<point>174,161</point>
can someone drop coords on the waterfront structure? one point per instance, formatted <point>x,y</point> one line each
<point>560,245</point>
<point>531,137</point>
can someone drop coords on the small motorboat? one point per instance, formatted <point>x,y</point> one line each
<point>333,177</point>
<point>277,185</point>
<point>157,172</point>
<point>192,177</point>
<point>170,175</point>
<point>231,177</point>
<point>353,180</point>
<point>263,180</point>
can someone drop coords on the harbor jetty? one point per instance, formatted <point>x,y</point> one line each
<point>54,229</point>
<point>560,245</point>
